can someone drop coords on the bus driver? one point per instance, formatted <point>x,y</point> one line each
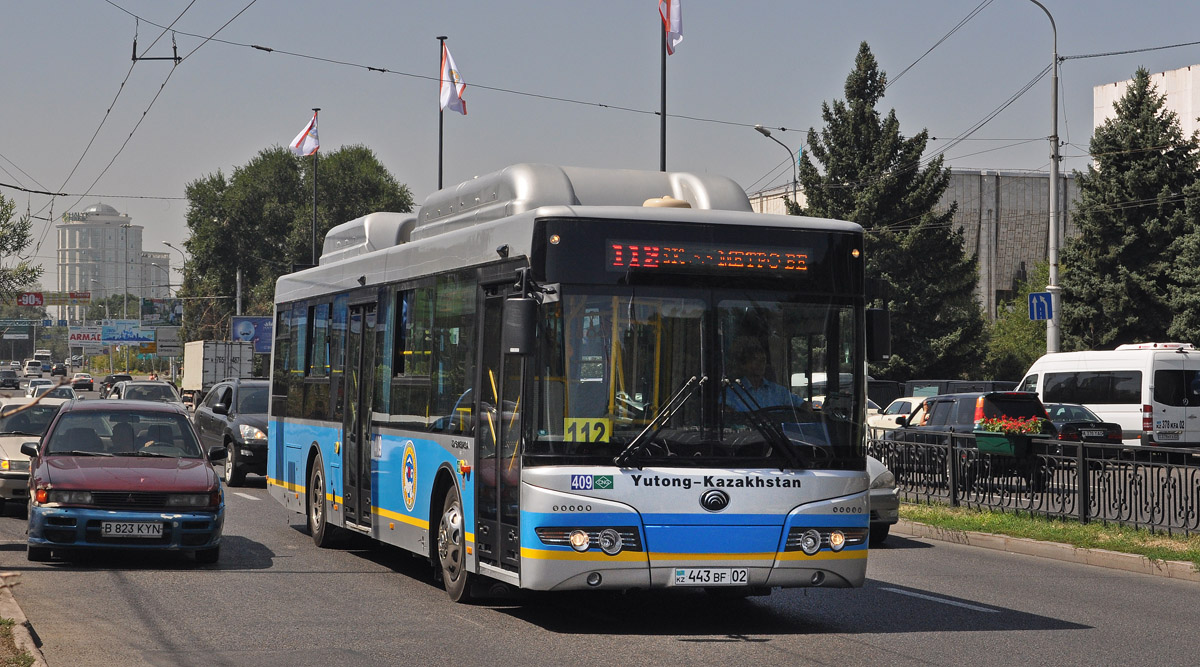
<point>750,356</point>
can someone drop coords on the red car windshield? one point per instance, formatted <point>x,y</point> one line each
<point>123,433</point>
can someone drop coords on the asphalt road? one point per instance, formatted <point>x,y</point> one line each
<point>275,599</point>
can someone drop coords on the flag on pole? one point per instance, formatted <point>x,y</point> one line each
<point>451,84</point>
<point>672,18</point>
<point>306,142</point>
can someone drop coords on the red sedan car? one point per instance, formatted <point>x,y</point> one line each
<point>123,475</point>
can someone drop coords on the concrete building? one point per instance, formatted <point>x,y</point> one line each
<point>100,251</point>
<point>1004,216</point>
<point>1180,86</point>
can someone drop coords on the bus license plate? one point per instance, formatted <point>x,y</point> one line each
<point>130,529</point>
<point>711,576</point>
<point>1166,435</point>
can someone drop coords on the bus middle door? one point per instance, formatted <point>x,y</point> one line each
<point>359,385</point>
<point>498,429</point>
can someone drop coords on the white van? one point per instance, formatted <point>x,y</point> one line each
<point>1151,389</point>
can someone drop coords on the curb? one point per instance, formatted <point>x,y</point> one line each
<point>20,630</point>
<point>1172,569</point>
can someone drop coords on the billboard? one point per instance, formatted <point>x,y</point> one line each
<point>52,298</point>
<point>162,312</point>
<point>259,330</point>
<point>89,338</point>
<point>125,332</point>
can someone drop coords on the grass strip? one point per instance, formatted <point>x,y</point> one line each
<point>1113,537</point>
<point>10,655</point>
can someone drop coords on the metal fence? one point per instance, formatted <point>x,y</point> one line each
<point>1155,488</point>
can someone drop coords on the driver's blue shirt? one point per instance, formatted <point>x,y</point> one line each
<point>766,395</point>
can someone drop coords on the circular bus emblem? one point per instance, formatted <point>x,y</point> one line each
<point>714,500</point>
<point>409,477</point>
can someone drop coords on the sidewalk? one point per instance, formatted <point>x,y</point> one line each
<point>1173,569</point>
<point>20,630</point>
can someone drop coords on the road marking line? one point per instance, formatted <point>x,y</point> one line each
<point>245,495</point>
<point>931,598</point>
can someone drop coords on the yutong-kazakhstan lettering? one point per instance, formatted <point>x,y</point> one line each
<point>712,481</point>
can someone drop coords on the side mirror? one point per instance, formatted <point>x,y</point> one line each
<point>901,421</point>
<point>220,409</point>
<point>879,334</point>
<point>516,335</point>
<point>29,449</point>
<point>217,453</point>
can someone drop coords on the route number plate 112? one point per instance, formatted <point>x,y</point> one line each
<point>711,576</point>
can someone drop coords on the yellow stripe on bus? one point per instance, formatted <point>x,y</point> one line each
<point>296,488</point>
<point>403,518</point>
<point>545,554</point>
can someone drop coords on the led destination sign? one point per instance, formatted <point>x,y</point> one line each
<point>708,257</point>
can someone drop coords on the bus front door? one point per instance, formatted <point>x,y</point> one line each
<point>498,430</point>
<point>356,424</point>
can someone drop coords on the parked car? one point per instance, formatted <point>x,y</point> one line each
<point>953,419</point>
<point>58,369</point>
<point>109,380</point>
<point>234,414</point>
<point>1078,424</point>
<point>884,502</point>
<point>31,388</point>
<point>55,391</point>
<point>123,475</point>
<point>20,422</point>
<point>145,390</point>
<point>9,379</point>
<point>82,382</point>
<point>33,368</point>
<point>887,418</point>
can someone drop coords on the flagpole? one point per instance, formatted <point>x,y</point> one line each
<point>662,116</point>
<point>314,216</point>
<point>441,112</point>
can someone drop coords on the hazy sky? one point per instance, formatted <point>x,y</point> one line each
<point>740,63</point>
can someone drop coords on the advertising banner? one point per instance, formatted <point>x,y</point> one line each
<point>259,330</point>
<point>162,312</point>
<point>125,332</point>
<point>53,298</point>
<point>89,338</point>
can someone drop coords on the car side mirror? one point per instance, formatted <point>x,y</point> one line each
<point>220,409</point>
<point>217,453</point>
<point>29,449</point>
<point>901,421</point>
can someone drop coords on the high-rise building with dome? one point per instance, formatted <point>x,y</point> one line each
<point>100,251</point>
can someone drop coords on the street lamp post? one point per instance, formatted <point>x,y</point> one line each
<point>1053,330</point>
<point>107,317</point>
<point>791,158</point>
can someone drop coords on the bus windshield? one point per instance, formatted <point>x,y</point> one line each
<point>691,377</point>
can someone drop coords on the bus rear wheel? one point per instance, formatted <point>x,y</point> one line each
<point>451,548</point>
<point>314,500</point>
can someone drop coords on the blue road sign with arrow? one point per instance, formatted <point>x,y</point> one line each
<point>1040,307</point>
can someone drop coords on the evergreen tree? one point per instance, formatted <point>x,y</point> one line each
<point>16,272</point>
<point>872,175</point>
<point>1120,278</point>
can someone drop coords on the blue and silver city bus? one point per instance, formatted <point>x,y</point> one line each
<point>562,378</point>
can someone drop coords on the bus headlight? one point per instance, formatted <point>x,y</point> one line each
<point>837,540</point>
<point>579,540</point>
<point>810,542</point>
<point>610,541</point>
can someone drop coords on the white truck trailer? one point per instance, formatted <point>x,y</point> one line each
<point>207,362</point>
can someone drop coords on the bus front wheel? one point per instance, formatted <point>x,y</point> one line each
<point>451,548</point>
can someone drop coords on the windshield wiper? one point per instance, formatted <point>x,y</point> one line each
<point>79,452</point>
<point>142,453</point>
<point>19,433</point>
<point>622,460</point>
<point>768,429</point>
